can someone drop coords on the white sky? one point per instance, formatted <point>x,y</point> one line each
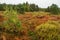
<point>40,3</point>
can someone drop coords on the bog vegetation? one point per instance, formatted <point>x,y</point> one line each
<point>29,22</point>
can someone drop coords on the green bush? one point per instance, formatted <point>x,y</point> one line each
<point>12,24</point>
<point>32,35</point>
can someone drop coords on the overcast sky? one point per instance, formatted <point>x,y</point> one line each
<point>40,3</point>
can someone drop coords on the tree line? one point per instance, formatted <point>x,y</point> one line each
<point>54,9</point>
<point>26,7</point>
